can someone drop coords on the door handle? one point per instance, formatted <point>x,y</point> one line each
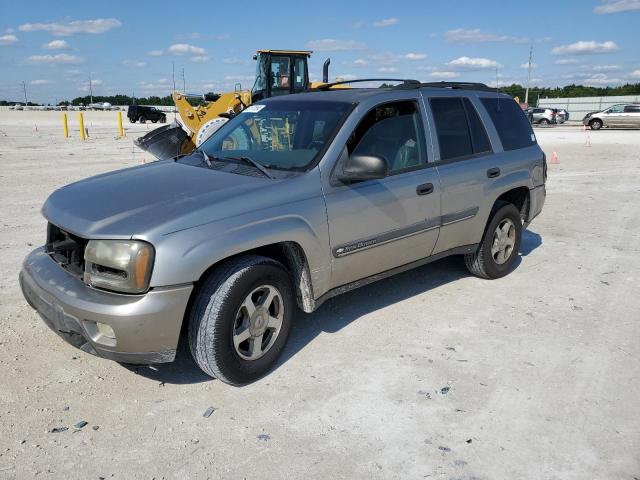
<point>424,189</point>
<point>493,172</point>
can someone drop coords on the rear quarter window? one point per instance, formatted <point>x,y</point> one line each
<point>511,124</point>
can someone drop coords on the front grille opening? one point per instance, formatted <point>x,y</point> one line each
<point>66,249</point>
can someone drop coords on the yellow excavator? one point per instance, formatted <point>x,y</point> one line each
<point>278,72</point>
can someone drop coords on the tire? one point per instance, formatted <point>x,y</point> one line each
<point>154,121</point>
<point>543,121</point>
<point>163,120</point>
<point>595,124</point>
<point>483,263</point>
<point>142,120</point>
<point>132,120</point>
<point>219,311</point>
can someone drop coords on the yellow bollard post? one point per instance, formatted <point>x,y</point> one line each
<point>120,131</point>
<point>65,127</point>
<point>81,122</point>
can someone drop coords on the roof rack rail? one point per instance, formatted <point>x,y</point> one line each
<point>404,81</point>
<point>459,85</point>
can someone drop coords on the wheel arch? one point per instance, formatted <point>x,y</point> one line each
<point>291,255</point>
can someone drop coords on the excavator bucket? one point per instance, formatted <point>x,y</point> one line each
<point>164,142</point>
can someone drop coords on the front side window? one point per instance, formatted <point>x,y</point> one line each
<point>280,75</point>
<point>393,131</point>
<point>279,135</point>
<point>299,74</point>
<point>616,109</point>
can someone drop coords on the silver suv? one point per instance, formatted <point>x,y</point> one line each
<point>295,200</point>
<point>622,115</point>
<point>541,116</point>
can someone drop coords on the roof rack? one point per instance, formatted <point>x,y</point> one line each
<point>459,85</point>
<point>404,81</point>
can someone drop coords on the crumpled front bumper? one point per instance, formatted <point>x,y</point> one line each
<point>147,327</point>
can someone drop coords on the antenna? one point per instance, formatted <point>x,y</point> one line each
<point>526,94</point>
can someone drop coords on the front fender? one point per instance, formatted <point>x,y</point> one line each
<point>183,257</point>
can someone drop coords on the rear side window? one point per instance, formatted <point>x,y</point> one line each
<point>513,127</point>
<point>632,109</point>
<point>460,131</point>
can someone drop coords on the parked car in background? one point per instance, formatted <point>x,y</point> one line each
<point>295,200</point>
<point>621,115</point>
<point>562,115</point>
<point>541,116</point>
<point>141,113</point>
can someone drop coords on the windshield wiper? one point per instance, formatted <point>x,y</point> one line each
<point>252,162</point>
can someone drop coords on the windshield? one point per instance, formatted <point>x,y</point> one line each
<point>279,135</point>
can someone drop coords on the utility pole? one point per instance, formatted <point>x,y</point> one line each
<point>24,88</point>
<point>90,90</point>
<point>184,84</point>
<point>526,94</point>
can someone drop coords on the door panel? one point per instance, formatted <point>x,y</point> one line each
<point>381,224</point>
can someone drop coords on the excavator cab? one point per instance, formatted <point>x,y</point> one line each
<point>280,72</point>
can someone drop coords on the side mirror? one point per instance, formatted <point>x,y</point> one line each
<point>363,167</point>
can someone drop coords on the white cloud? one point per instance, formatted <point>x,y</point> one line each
<point>415,56</point>
<point>333,45</point>
<point>473,63</point>
<point>99,25</point>
<point>617,6</point>
<point>186,49</point>
<point>8,39</point>
<point>460,35</point>
<point>239,78</point>
<point>385,22</point>
<point>200,58</point>
<point>345,77</point>
<point>358,24</point>
<point>387,69</point>
<point>599,79</point>
<point>57,45</point>
<point>566,61</point>
<point>635,74</point>
<point>60,58</point>
<point>444,74</point>
<point>232,61</point>
<point>526,65</point>
<point>39,82</point>
<point>585,47</point>
<point>155,53</point>
<point>209,86</point>
<point>605,68</point>
<point>134,63</point>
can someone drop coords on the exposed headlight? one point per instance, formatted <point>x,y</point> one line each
<point>119,265</point>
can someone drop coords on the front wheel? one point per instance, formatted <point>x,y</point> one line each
<point>241,318</point>
<point>544,121</point>
<point>595,124</point>
<point>142,120</point>
<point>498,252</point>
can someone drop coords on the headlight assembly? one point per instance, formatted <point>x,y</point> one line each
<point>118,265</point>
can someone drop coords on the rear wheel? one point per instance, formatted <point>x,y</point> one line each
<point>154,121</point>
<point>132,120</point>
<point>142,120</point>
<point>544,121</point>
<point>595,124</point>
<point>498,251</point>
<point>241,318</point>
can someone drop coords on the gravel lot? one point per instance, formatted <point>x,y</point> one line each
<point>431,374</point>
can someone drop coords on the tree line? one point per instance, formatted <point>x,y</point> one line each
<point>515,90</point>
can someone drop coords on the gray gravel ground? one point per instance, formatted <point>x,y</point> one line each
<point>431,374</point>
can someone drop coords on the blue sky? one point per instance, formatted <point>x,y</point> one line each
<point>129,47</point>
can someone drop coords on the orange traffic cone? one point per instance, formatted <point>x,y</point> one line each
<point>554,158</point>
